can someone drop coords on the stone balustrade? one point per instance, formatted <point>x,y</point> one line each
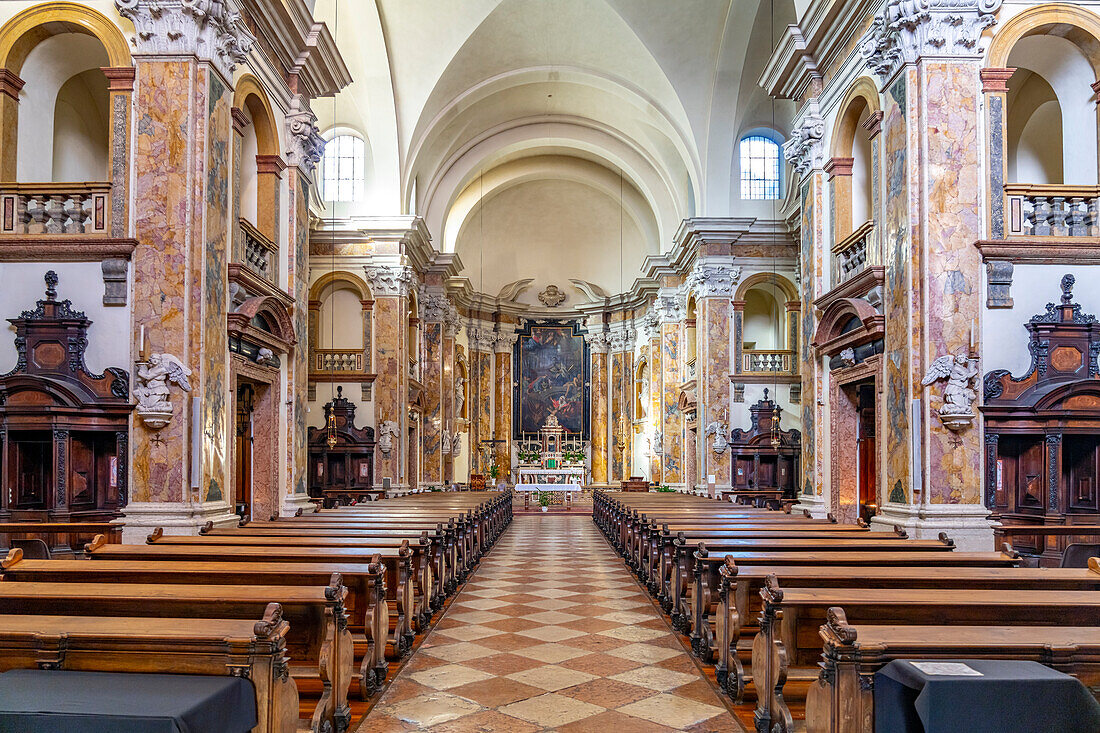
<point>854,252</point>
<point>1051,210</point>
<point>338,360</point>
<point>259,254</point>
<point>768,361</point>
<point>55,208</point>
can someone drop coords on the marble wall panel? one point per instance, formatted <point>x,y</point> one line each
<point>896,305</point>
<point>656,401</point>
<point>953,265</point>
<point>599,397</point>
<point>431,375</point>
<point>166,95</point>
<point>447,388</point>
<point>715,385</point>
<point>215,288</point>
<point>502,417</point>
<point>389,397</point>
<point>671,417</point>
<point>813,248</point>
<point>298,379</point>
<point>619,403</point>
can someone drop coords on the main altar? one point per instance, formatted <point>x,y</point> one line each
<point>552,460</point>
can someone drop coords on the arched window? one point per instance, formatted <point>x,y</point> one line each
<point>759,167</point>
<point>343,169</point>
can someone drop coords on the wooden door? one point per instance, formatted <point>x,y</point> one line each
<point>865,452</point>
<point>242,491</point>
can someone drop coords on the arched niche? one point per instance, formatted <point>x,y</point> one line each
<point>68,53</point>
<point>325,296</point>
<point>765,306</point>
<point>848,323</point>
<point>256,143</point>
<point>852,164</point>
<point>1054,51</point>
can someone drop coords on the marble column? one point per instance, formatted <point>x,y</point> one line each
<point>305,149</point>
<point>479,409</point>
<point>932,217</point>
<point>622,401</point>
<point>451,323</point>
<point>670,311</point>
<point>390,284</point>
<point>181,150</point>
<point>433,309</point>
<point>502,401</point>
<point>598,379</point>
<point>651,326</point>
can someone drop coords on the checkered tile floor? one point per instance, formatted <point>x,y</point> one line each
<point>551,633</point>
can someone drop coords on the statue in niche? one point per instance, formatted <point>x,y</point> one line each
<point>958,398</point>
<point>456,444</point>
<point>151,394</point>
<point>645,396</point>
<point>460,394</point>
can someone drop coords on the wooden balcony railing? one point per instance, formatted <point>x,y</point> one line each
<point>1051,210</point>
<point>768,361</point>
<point>854,252</point>
<point>55,208</point>
<point>349,361</point>
<point>260,254</point>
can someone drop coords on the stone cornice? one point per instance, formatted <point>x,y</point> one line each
<point>302,46</point>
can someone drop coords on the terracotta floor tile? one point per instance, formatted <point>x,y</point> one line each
<point>613,721</point>
<point>496,692</point>
<point>602,665</point>
<point>595,643</point>
<point>699,690</point>
<point>592,625</point>
<point>608,693</point>
<point>504,664</point>
<point>508,642</point>
<point>514,624</point>
<point>487,721</point>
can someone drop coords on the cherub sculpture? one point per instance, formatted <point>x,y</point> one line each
<point>957,410</point>
<point>151,393</point>
<point>718,430</point>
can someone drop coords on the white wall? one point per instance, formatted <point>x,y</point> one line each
<point>249,176</point>
<point>80,282</point>
<point>1004,338</point>
<point>80,129</point>
<point>341,323</point>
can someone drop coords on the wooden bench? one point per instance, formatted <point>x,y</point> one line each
<point>730,604</point>
<point>365,605</point>
<point>63,538</point>
<point>1044,542</point>
<point>318,641</point>
<point>256,650</point>
<point>399,586</point>
<point>841,699</point>
<point>787,649</point>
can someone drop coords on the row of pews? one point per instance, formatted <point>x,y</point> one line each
<point>797,614</point>
<point>314,609</point>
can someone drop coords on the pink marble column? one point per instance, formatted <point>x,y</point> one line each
<point>598,378</point>
<point>450,330</point>
<point>181,154</point>
<point>670,310</point>
<point>713,381</point>
<point>814,421</point>
<point>390,285</point>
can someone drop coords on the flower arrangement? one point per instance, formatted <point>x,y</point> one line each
<point>544,498</point>
<point>528,456</point>
<point>572,455</point>
<point>665,490</point>
<point>494,472</point>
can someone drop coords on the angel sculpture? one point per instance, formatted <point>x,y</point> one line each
<point>386,431</point>
<point>456,444</point>
<point>154,376</point>
<point>718,430</point>
<point>958,398</point>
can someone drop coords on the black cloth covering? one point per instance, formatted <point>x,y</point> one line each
<point>1009,697</point>
<point>47,701</point>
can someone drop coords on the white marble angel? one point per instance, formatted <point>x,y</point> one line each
<point>386,431</point>
<point>720,442</point>
<point>958,397</point>
<point>456,443</point>
<point>154,375</point>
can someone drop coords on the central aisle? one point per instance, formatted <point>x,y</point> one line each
<point>551,633</point>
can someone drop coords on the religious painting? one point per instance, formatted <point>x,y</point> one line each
<point>551,379</point>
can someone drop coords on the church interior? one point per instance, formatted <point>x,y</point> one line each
<point>483,366</point>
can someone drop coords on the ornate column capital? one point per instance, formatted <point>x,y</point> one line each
<point>504,341</point>
<point>803,149</point>
<point>306,144</point>
<point>651,324</point>
<point>452,321</point>
<point>212,30</point>
<point>434,307</point>
<point>670,308</point>
<point>599,342</point>
<point>622,340</point>
<point>390,280</point>
<point>908,30</point>
<point>712,280</point>
<point>481,339</point>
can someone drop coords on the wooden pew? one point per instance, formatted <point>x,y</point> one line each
<point>399,587</point>
<point>841,699</point>
<point>1044,542</point>
<point>256,650</point>
<point>365,605</point>
<point>318,641</point>
<point>63,538</point>
<point>732,603</point>
<point>422,577</point>
<point>787,649</point>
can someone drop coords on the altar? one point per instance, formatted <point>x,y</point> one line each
<point>553,462</point>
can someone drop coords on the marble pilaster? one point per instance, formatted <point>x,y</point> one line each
<point>390,284</point>
<point>598,376</point>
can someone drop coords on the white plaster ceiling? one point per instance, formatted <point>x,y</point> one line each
<point>449,92</point>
